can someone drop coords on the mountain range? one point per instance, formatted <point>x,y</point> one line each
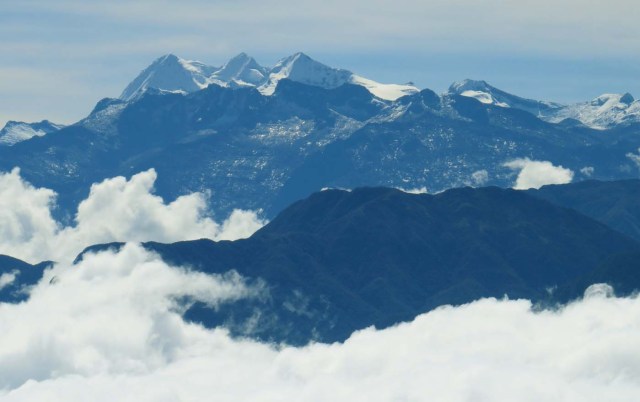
<point>174,74</point>
<point>339,261</point>
<point>260,138</point>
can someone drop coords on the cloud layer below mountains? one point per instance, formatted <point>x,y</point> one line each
<point>116,209</point>
<point>110,327</point>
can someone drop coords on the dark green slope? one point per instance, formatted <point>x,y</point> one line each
<point>377,256</point>
<point>614,203</point>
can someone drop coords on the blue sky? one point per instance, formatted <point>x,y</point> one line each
<point>60,57</point>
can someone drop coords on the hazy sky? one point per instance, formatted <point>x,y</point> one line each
<point>57,58</point>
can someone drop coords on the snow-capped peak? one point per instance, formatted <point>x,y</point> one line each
<point>488,94</point>
<point>170,73</point>
<point>302,68</point>
<point>483,92</point>
<point>459,87</point>
<point>18,131</point>
<point>242,70</point>
<point>479,90</point>
<point>602,112</point>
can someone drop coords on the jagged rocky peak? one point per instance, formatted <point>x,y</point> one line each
<point>627,99</point>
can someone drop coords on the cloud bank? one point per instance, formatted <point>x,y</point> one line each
<point>116,209</point>
<point>535,174</point>
<point>110,327</point>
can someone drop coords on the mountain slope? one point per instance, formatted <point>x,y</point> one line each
<point>264,152</point>
<point>614,203</point>
<point>173,74</point>
<point>488,94</point>
<point>170,73</point>
<point>602,113</point>
<point>339,261</point>
<point>17,131</point>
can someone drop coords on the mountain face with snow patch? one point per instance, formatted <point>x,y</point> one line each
<point>257,151</point>
<point>241,70</point>
<point>603,112</point>
<point>262,138</point>
<point>173,74</point>
<point>17,131</point>
<point>170,73</point>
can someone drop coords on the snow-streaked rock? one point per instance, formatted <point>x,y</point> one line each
<point>18,131</point>
<point>170,73</point>
<point>488,94</point>
<point>173,74</point>
<point>241,70</point>
<point>604,112</point>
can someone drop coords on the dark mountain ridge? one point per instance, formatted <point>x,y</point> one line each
<point>340,261</point>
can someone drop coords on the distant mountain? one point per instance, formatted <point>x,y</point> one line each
<point>241,70</point>
<point>614,203</point>
<point>340,261</point>
<point>17,131</point>
<point>170,73</point>
<point>173,74</point>
<point>263,152</point>
<point>604,112</point>
<point>490,95</point>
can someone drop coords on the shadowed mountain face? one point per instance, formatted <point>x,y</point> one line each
<point>16,276</point>
<point>614,203</point>
<point>339,261</point>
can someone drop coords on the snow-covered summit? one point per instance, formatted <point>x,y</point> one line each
<point>603,112</point>
<point>18,131</point>
<point>302,68</point>
<point>491,95</point>
<point>241,70</point>
<point>170,73</point>
<point>173,74</point>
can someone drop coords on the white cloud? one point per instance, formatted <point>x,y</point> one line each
<point>480,177</point>
<point>535,174</point>
<point>111,313</point>
<point>108,327</point>
<point>115,210</point>
<point>635,158</point>
<point>416,190</point>
<point>8,278</point>
<point>587,171</point>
